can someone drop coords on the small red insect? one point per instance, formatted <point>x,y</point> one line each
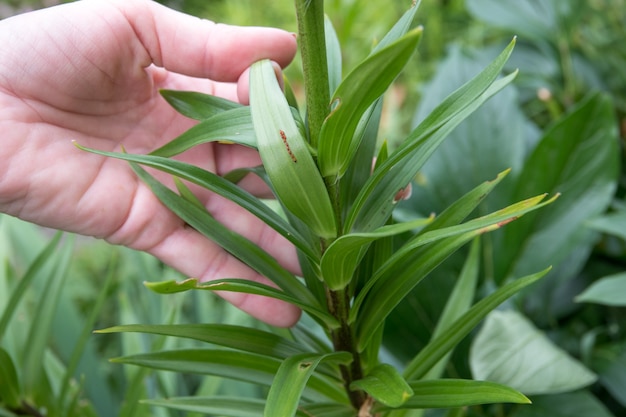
<point>284,137</point>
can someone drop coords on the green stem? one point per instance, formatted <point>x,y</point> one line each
<point>312,42</point>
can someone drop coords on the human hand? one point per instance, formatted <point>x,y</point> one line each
<point>90,72</point>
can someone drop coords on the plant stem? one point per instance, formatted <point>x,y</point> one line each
<point>312,42</point>
<point>343,340</point>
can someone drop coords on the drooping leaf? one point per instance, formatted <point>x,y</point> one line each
<point>610,290</point>
<point>291,379</point>
<point>221,186</point>
<point>376,200</point>
<point>239,246</point>
<point>196,105</point>
<point>241,338</point>
<point>438,347</point>
<point>236,365</point>
<point>452,393</point>
<point>385,384</point>
<point>244,286</point>
<point>285,154</point>
<point>359,89</point>
<point>342,257</point>
<point>510,350</point>
<point>230,126</point>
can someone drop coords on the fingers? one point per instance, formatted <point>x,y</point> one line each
<point>200,48</point>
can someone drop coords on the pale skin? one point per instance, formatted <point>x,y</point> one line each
<point>90,72</point>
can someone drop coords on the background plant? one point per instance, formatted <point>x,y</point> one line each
<point>588,332</point>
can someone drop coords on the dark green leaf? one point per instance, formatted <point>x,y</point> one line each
<point>242,338</point>
<point>291,379</point>
<point>572,404</point>
<point>242,248</point>
<point>10,386</point>
<point>220,186</point>
<point>241,366</point>
<point>438,347</point>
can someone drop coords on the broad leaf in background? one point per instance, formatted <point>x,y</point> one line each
<point>610,290</point>
<point>510,350</point>
<point>575,404</point>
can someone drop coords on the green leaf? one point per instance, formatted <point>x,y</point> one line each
<point>459,301</point>
<point>366,83</point>
<point>613,224</point>
<point>241,338</point>
<point>244,286</point>
<point>342,257</point>
<point>571,404</point>
<point>376,200</point>
<point>385,385</point>
<point>241,366</point>
<point>249,253</point>
<point>411,263</point>
<point>562,162</point>
<point>41,325</point>
<point>333,55</point>
<point>401,27</point>
<point>285,154</point>
<point>230,126</point>
<point>220,186</point>
<point>10,386</point>
<point>291,379</point>
<point>510,350</point>
<point>197,106</point>
<point>34,269</point>
<point>452,393</point>
<point>610,291</point>
<point>245,407</point>
<point>438,347</point>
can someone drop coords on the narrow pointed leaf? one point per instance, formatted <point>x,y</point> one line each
<point>438,347</point>
<point>344,254</point>
<point>244,286</point>
<point>291,379</point>
<point>366,83</point>
<point>401,27</point>
<point>249,253</point>
<point>197,106</point>
<point>241,338</point>
<point>376,200</point>
<point>333,55</point>
<point>10,386</point>
<point>285,154</point>
<point>230,126</point>
<point>453,393</point>
<point>241,366</point>
<point>221,186</point>
<point>410,264</point>
<point>26,280</point>
<point>385,385</point>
